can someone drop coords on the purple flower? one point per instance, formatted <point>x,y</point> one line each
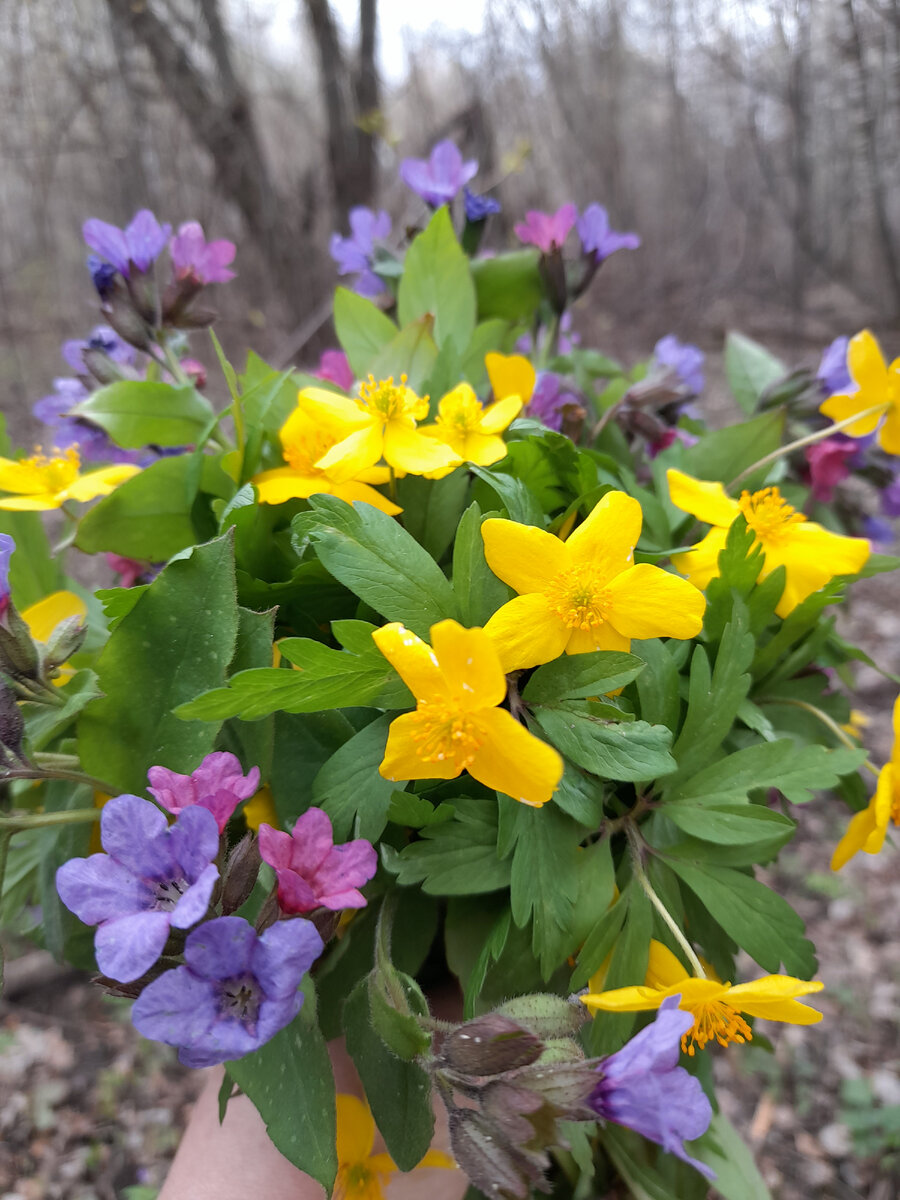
<point>438,178</point>
<point>890,498</point>
<point>7,546</point>
<point>236,990</point>
<point>643,1088</point>
<point>827,463</point>
<point>152,877</point>
<point>313,872</point>
<point>547,231</point>
<point>138,245</point>
<point>682,358</point>
<point>548,400</point>
<point>335,367</point>
<point>833,373</point>
<point>879,532</point>
<point>354,255</point>
<point>101,338</point>
<point>93,443</point>
<point>193,256</point>
<point>597,239</point>
<point>103,276</point>
<point>218,785</point>
<point>65,395</point>
<point>479,208</point>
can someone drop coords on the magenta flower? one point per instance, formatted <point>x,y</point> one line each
<point>335,367</point>
<point>643,1088</point>
<point>138,245</point>
<point>827,466</point>
<point>129,570</point>
<point>438,178</point>
<point>153,877</point>
<point>598,240</point>
<point>195,371</point>
<point>313,872</point>
<point>194,257</point>
<point>236,990</point>
<point>218,785</point>
<point>547,231</point>
<point>667,439</point>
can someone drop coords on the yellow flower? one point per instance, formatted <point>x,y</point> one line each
<point>44,616</point>
<point>471,430</point>
<point>510,375</point>
<point>457,725</point>
<point>868,829</point>
<point>857,723</point>
<point>585,593</point>
<point>716,1007</point>
<point>810,554</point>
<point>877,384</point>
<point>41,483</point>
<point>363,1175</point>
<point>261,808</point>
<point>305,439</point>
<point>383,424</point>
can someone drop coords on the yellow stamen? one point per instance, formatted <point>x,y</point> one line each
<point>579,598</point>
<point>446,733</point>
<point>303,456</point>
<point>460,414</point>
<point>768,513</point>
<point>715,1021</point>
<point>57,471</point>
<point>383,399</point>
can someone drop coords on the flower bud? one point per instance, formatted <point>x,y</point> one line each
<point>495,1168</point>
<point>553,273</point>
<point>65,640</point>
<point>18,654</point>
<point>119,310</point>
<point>12,725</point>
<point>100,365</point>
<point>489,1045</point>
<point>240,874</point>
<point>547,1016</point>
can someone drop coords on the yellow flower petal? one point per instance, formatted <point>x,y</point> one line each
<point>510,375</point>
<point>358,452</point>
<point>514,761</point>
<point>44,616</point>
<point>774,998</point>
<point>499,415</point>
<point>413,660</point>
<point>701,562</point>
<point>648,602</point>
<point>404,757</point>
<point>355,1129</point>
<point>889,433</point>
<point>99,483</point>
<point>406,449</point>
<point>606,540</point>
<point>811,556</point>
<point>523,556</point>
<point>841,406</point>
<point>469,663</point>
<point>482,449</point>
<point>324,407</point>
<point>261,808</point>
<point>626,999</point>
<point>701,498</point>
<point>895,721</point>
<point>526,632</point>
<point>22,477</point>
<point>865,361</point>
<point>353,490</point>
<point>284,483</point>
<point>598,637</point>
<point>862,826</point>
<point>434,1158</point>
<point>663,967</point>
<point>40,503</point>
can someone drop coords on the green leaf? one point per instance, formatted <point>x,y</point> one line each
<point>479,593</point>
<point>724,453</point>
<point>399,1093</point>
<point>45,723</point>
<point>179,637</point>
<point>432,509</point>
<point>362,329</point>
<point>137,413</point>
<point>797,771</point>
<point>658,684</point>
<point>723,1149</point>
<point>543,884</point>
<point>395,999</point>
<point>457,857</point>
<point>412,353</point>
<point>520,503</point>
<point>488,336</point>
<point>148,517</point>
<point>301,744</point>
<point>750,370</point>
<point>599,943</point>
<point>415,812</point>
<point>378,561</point>
<point>613,750</point>
<point>349,788</point>
<point>579,675</point>
<point>733,824</point>
<point>628,965</point>
<point>508,285</point>
<point>290,1082</point>
<point>437,280</point>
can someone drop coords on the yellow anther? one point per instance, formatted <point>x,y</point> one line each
<point>579,598</point>
<point>446,733</point>
<point>768,513</point>
<point>715,1021</point>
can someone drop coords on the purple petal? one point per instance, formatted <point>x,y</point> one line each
<point>108,241</point>
<point>99,889</point>
<point>295,894</point>
<point>128,946</point>
<point>146,238</point>
<point>655,1048</point>
<point>416,174</point>
<point>222,771</point>
<point>284,954</point>
<point>226,1040</point>
<point>193,841</point>
<point>129,829</point>
<point>221,948</point>
<point>369,284</point>
<point>275,1014</point>
<point>311,840</point>
<point>178,1008</point>
<point>348,256</point>
<point>193,905</point>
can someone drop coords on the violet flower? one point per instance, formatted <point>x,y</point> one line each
<point>153,877</point>
<point>103,339</point>
<point>828,463</point>
<point>218,785</point>
<point>7,546</point>
<point>193,257</point>
<point>103,276</point>
<point>313,872</point>
<point>236,990</point>
<point>548,400</point>
<point>335,367</point>
<point>93,443</point>
<point>684,359</point>
<point>643,1088</point>
<point>878,531</point>
<point>598,240</point>
<point>354,255</point>
<point>138,245</point>
<point>479,208</point>
<point>547,231</point>
<point>833,373</point>
<point>890,498</point>
<point>438,178</point>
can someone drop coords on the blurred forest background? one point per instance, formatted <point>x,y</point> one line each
<point>753,144</point>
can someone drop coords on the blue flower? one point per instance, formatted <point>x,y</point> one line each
<point>833,373</point>
<point>598,240</point>
<point>479,208</point>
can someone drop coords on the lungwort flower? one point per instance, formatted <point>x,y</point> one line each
<point>716,1007</point>
<point>355,255</point>
<point>40,482</point>
<point>193,257</point>
<point>598,239</point>
<point>312,871</point>
<point>138,245</point>
<point>458,683</point>
<point>868,829</point>
<point>314,428</point>
<point>438,178</point>
<point>363,1175</point>
<point>877,386</point>
<point>471,430</point>
<point>585,593</point>
<point>810,554</point>
<point>547,231</point>
<point>383,424</point>
<point>218,785</point>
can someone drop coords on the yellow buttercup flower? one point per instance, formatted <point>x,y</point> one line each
<point>361,1174</point>
<point>877,384</point>
<point>585,593</point>
<point>41,482</point>
<point>810,554</point>
<point>471,430</point>
<point>44,616</point>
<point>458,683</point>
<point>304,441</point>
<point>868,829</point>
<point>716,1007</point>
<point>261,808</point>
<point>383,423</point>
<point>510,375</point>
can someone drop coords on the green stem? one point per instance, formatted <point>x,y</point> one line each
<point>634,843</point>
<point>98,785</point>
<point>808,440</point>
<point>72,816</point>
<point>173,364</point>
<point>827,721</point>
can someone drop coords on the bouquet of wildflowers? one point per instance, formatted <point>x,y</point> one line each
<point>474,662</point>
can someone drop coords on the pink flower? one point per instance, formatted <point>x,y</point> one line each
<point>313,872</point>
<point>193,255</point>
<point>827,463</point>
<point>547,231</point>
<point>218,785</point>
<point>335,367</point>
<point>195,371</point>
<point>129,569</point>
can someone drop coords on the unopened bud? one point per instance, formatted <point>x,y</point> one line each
<point>65,640</point>
<point>12,725</point>
<point>18,654</point>
<point>490,1045</point>
<point>100,365</point>
<point>546,1015</point>
<point>128,323</point>
<point>178,296</point>
<point>553,273</point>
<point>241,872</point>
<point>494,1168</point>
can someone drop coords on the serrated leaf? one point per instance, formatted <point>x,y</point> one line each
<point>457,857</point>
<point>543,883</point>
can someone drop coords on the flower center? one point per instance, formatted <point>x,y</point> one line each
<point>460,415</point>
<point>768,513</point>
<point>168,893</point>
<point>240,999</point>
<point>303,456</point>
<point>356,1181</point>
<point>715,1021</point>
<point>579,598</point>
<point>445,732</point>
<point>57,472</point>
<point>390,403</point>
